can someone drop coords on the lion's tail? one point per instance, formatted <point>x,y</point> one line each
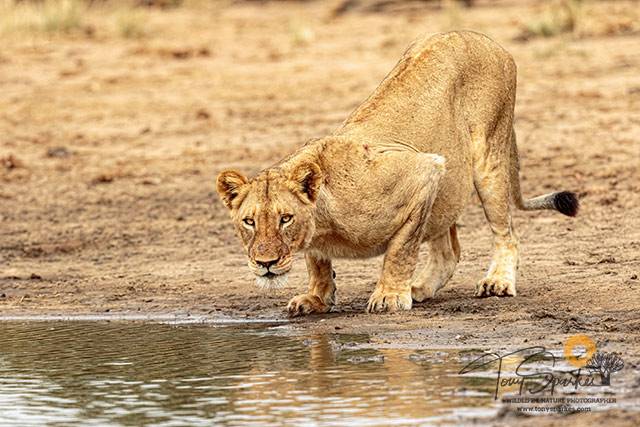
<point>565,202</point>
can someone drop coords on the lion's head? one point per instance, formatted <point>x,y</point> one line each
<point>273,214</point>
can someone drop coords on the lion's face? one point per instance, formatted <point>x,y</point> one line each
<point>274,216</point>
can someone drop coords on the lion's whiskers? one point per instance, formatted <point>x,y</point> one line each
<point>273,282</point>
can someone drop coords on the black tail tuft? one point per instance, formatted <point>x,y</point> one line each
<point>566,203</point>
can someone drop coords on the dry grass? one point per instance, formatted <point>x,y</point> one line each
<point>560,17</point>
<point>583,18</point>
<point>48,16</point>
<point>130,24</point>
<point>61,16</point>
<point>300,34</point>
<point>23,19</point>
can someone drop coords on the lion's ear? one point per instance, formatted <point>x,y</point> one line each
<point>307,178</point>
<point>228,185</point>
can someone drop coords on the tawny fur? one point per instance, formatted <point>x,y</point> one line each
<point>397,173</point>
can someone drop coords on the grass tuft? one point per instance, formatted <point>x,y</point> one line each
<point>301,35</point>
<point>62,16</point>
<point>48,16</point>
<point>130,24</point>
<point>562,16</point>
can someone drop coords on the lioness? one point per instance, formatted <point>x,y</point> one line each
<point>397,173</point>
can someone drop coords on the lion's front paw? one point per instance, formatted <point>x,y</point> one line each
<point>388,301</point>
<point>421,294</point>
<point>306,304</point>
<point>494,286</point>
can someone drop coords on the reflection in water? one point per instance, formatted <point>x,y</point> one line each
<point>86,373</point>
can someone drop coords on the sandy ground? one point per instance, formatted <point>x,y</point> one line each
<point>109,149</point>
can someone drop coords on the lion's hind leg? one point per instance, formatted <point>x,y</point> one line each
<point>444,254</point>
<point>492,174</point>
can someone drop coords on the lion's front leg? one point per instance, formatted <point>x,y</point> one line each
<point>393,291</point>
<point>322,288</point>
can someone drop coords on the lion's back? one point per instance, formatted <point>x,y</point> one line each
<point>418,88</point>
<point>444,89</point>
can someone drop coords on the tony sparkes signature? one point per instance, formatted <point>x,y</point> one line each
<point>533,382</point>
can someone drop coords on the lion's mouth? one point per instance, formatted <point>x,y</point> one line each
<point>271,280</point>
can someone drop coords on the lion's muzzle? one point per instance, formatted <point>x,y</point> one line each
<point>270,268</point>
<point>270,274</point>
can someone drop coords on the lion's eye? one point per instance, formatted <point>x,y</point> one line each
<point>249,222</point>
<point>285,219</point>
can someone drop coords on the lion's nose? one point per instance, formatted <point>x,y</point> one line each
<point>267,263</point>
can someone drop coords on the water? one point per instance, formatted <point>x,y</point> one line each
<point>135,373</point>
<point>128,373</point>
